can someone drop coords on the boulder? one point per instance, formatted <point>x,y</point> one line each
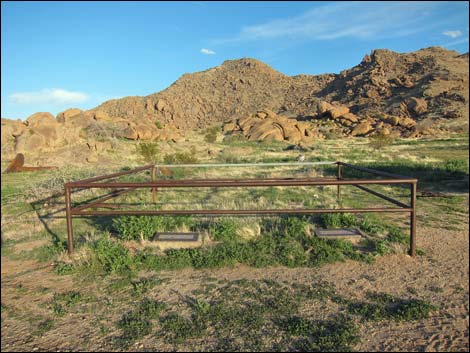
<point>266,129</point>
<point>247,123</point>
<point>362,129</point>
<point>49,133</point>
<point>261,115</point>
<point>82,120</point>
<point>290,131</point>
<point>351,117</point>
<point>100,115</point>
<point>323,107</point>
<point>7,134</point>
<point>15,127</point>
<point>145,131</point>
<point>28,142</point>
<point>129,133</point>
<point>62,117</point>
<point>41,119</point>
<point>160,105</point>
<point>417,106</point>
<point>70,136</point>
<point>406,122</point>
<point>230,127</point>
<point>338,111</point>
<point>169,135</point>
<point>393,120</point>
<point>383,131</point>
<point>345,122</point>
<point>43,124</point>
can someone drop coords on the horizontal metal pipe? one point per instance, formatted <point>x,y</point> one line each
<point>237,212</point>
<point>386,198</point>
<point>113,194</point>
<point>242,164</point>
<point>241,182</point>
<point>109,176</point>
<point>229,180</point>
<point>377,172</point>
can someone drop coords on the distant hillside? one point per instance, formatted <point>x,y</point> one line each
<point>379,84</point>
<point>408,95</point>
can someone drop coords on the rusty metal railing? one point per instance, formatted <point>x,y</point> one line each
<point>103,182</point>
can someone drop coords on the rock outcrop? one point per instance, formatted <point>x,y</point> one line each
<point>423,92</point>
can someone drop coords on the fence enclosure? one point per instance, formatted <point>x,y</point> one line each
<point>120,188</point>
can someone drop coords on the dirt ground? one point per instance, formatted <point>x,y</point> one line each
<point>440,276</point>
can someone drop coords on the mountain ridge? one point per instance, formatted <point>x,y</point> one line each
<point>413,94</point>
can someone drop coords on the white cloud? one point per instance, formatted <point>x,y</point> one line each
<point>50,96</point>
<point>355,19</point>
<point>207,51</point>
<point>452,34</point>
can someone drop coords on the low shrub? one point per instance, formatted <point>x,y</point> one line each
<point>108,256</point>
<point>182,157</point>
<point>384,306</point>
<point>148,151</point>
<point>338,220</point>
<point>211,134</point>
<point>144,227</point>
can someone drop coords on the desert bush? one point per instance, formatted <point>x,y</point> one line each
<point>159,125</point>
<point>143,227</point>
<point>211,134</point>
<point>338,220</point>
<point>108,257</point>
<point>225,229</point>
<point>456,166</point>
<point>229,157</point>
<point>182,157</point>
<point>380,141</point>
<point>234,138</point>
<point>148,151</point>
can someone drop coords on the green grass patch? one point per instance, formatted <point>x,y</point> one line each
<point>144,227</point>
<point>109,257</point>
<point>339,334</point>
<point>382,306</point>
<point>61,302</point>
<point>43,327</point>
<point>137,323</point>
<point>143,285</point>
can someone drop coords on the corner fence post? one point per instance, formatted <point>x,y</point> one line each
<point>413,220</point>
<point>69,220</point>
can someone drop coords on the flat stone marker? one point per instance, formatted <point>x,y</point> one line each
<point>176,240</point>
<point>351,234</point>
<point>174,236</point>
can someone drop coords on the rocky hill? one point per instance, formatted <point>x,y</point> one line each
<point>410,94</point>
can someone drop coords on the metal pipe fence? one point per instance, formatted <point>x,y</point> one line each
<point>120,188</point>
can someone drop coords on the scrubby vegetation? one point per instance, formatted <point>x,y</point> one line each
<point>120,292</point>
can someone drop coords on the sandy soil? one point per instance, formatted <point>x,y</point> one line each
<point>441,276</point>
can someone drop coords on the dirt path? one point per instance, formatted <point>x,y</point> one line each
<point>441,276</point>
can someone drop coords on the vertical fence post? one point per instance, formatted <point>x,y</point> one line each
<point>154,190</point>
<point>413,220</point>
<point>69,219</point>
<point>339,177</point>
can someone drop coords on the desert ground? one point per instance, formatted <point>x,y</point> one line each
<point>256,283</point>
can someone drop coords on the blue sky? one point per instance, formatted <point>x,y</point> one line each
<point>57,55</point>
